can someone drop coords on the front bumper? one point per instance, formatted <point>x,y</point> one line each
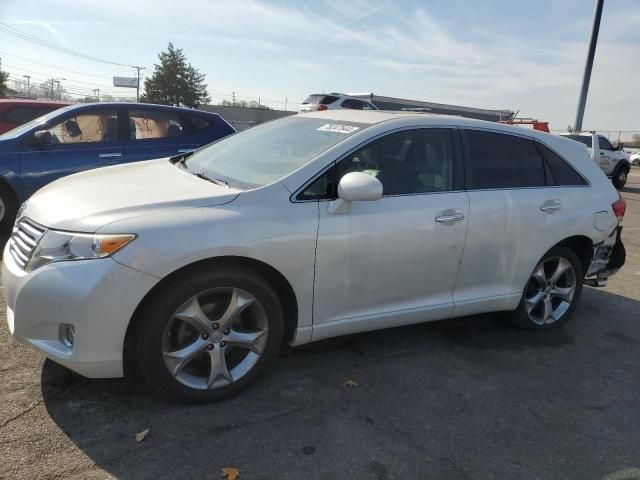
<point>97,297</point>
<point>608,257</point>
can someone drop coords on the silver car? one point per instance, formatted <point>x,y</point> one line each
<point>200,267</point>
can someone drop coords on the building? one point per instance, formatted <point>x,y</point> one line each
<point>390,103</point>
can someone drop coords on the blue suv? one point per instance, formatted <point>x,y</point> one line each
<point>84,136</point>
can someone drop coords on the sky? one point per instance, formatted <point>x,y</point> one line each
<point>523,55</point>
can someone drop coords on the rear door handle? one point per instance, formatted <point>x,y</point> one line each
<point>551,206</point>
<point>453,217</point>
<point>109,155</point>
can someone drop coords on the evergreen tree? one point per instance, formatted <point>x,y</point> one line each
<point>4,76</point>
<point>175,82</point>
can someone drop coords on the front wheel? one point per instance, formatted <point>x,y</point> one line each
<point>619,179</point>
<point>8,209</point>
<point>552,291</point>
<point>205,337</point>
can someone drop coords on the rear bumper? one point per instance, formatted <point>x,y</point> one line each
<point>608,257</point>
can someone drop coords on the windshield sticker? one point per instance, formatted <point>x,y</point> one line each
<point>337,128</point>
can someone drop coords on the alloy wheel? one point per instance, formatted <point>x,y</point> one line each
<point>550,291</point>
<point>215,338</point>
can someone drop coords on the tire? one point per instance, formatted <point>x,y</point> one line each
<point>8,209</point>
<point>547,303</point>
<point>619,178</point>
<point>235,324</point>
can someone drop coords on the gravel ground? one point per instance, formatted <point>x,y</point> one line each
<point>468,398</point>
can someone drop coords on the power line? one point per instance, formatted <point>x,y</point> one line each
<point>5,28</point>
<point>59,68</point>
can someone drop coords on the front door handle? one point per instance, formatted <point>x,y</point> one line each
<point>109,155</point>
<point>185,150</point>
<point>453,217</point>
<point>551,206</point>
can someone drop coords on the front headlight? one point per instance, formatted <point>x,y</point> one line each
<point>57,246</point>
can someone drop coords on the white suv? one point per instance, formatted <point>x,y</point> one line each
<point>200,267</point>
<point>614,162</point>
<point>334,101</point>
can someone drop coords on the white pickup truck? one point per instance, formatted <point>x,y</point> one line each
<point>614,162</point>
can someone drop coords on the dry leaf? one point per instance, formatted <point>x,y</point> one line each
<point>142,435</point>
<point>230,473</point>
<point>350,383</point>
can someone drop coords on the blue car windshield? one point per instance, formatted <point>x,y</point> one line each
<point>16,132</point>
<point>268,152</point>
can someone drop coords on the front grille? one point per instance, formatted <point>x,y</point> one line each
<point>26,235</point>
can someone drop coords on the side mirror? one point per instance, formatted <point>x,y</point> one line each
<point>42,137</point>
<point>359,187</point>
<point>355,187</point>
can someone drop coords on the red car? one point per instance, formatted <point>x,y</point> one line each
<point>14,112</point>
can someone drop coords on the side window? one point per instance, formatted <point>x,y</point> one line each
<point>604,144</point>
<point>562,172</point>
<point>145,124</point>
<point>321,188</point>
<point>408,162</point>
<point>352,104</point>
<point>501,160</point>
<point>87,127</point>
<point>367,106</point>
<point>199,123</point>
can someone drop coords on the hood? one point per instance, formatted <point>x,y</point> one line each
<point>86,201</point>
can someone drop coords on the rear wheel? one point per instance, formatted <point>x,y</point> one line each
<point>206,337</point>
<point>552,292</point>
<point>619,179</point>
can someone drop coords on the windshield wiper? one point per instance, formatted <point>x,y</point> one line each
<point>181,159</point>
<point>217,181</point>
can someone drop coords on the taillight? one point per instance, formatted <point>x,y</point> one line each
<point>322,107</point>
<point>619,207</point>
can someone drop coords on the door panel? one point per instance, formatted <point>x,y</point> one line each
<point>516,213</point>
<point>388,256</point>
<point>85,140</point>
<point>509,231</point>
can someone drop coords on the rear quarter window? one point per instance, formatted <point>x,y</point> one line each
<point>321,99</point>
<point>563,174</point>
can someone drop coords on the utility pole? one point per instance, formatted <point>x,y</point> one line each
<point>138,84</point>
<point>597,15</point>
<point>97,92</point>
<point>58,80</point>
<point>285,104</point>
<point>51,90</point>
<point>233,98</point>
<point>28,77</point>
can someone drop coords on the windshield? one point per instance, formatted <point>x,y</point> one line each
<point>266,153</point>
<point>16,132</point>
